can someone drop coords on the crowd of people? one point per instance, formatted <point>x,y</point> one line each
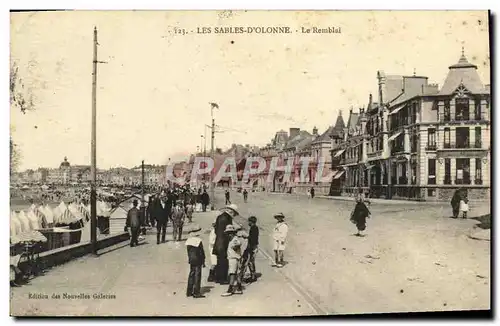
<point>232,252</point>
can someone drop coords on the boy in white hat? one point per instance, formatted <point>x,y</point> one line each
<point>233,257</point>
<point>279,239</point>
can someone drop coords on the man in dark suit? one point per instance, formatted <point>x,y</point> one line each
<point>222,242</point>
<point>162,214</point>
<point>134,223</point>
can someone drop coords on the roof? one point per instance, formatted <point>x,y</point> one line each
<point>393,87</point>
<point>324,137</point>
<point>463,73</point>
<point>295,141</point>
<point>352,121</point>
<point>338,129</point>
<point>304,143</point>
<point>281,137</point>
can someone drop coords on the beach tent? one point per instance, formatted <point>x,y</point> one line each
<point>15,224</point>
<point>103,209</point>
<point>33,219</point>
<point>25,222</point>
<point>48,214</point>
<point>58,211</point>
<point>74,209</point>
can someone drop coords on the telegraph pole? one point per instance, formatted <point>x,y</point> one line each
<point>143,208</point>
<point>212,192</point>
<point>93,168</point>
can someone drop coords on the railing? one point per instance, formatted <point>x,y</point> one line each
<point>395,151</point>
<point>464,181</point>
<point>464,145</point>
<point>349,160</point>
<point>406,192</point>
<point>478,181</point>
<point>378,191</point>
<point>431,147</point>
<point>447,180</point>
<point>374,154</point>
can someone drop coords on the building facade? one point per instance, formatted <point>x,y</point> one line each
<point>419,141</point>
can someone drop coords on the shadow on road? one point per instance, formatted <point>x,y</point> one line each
<point>484,221</point>
<point>111,249</point>
<point>206,289</point>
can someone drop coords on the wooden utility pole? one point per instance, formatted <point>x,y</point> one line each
<point>143,207</point>
<point>93,167</point>
<point>212,184</point>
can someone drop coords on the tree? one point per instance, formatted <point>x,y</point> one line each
<point>15,156</point>
<point>21,97</point>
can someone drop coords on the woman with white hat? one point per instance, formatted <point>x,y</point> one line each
<point>279,239</point>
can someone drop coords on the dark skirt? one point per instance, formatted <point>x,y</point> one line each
<point>358,216</point>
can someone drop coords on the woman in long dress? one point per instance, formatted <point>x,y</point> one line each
<point>455,202</point>
<point>359,215</point>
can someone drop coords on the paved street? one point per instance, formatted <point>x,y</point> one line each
<point>413,258</point>
<point>151,280</point>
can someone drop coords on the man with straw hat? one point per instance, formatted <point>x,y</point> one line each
<point>221,242</point>
<point>279,239</point>
<point>196,259</point>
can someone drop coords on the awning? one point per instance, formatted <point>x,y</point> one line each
<point>338,175</point>
<point>339,153</point>
<point>397,110</point>
<point>368,167</point>
<point>394,136</point>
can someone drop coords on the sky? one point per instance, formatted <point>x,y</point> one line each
<point>154,89</point>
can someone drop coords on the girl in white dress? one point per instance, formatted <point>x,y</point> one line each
<point>464,207</point>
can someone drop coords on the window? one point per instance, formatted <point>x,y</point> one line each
<point>462,137</point>
<point>414,173</point>
<point>447,171</point>
<point>414,113</point>
<point>414,142</point>
<point>462,109</point>
<point>447,111</point>
<point>431,168</point>
<point>477,109</point>
<point>478,140</point>
<point>479,172</point>
<point>447,138</point>
<point>381,142</point>
<point>431,192</point>
<point>431,138</point>
<point>462,171</point>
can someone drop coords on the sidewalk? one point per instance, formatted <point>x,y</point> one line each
<point>150,280</point>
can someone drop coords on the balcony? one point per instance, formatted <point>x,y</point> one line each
<point>351,160</point>
<point>374,154</point>
<point>397,150</point>
<point>431,147</point>
<point>465,181</point>
<point>463,145</point>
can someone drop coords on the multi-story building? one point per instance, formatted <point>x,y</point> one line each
<point>420,141</point>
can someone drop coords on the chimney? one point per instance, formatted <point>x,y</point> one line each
<point>315,131</point>
<point>294,132</point>
<point>381,87</point>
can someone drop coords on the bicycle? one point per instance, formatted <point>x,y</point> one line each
<point>29,264</point>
